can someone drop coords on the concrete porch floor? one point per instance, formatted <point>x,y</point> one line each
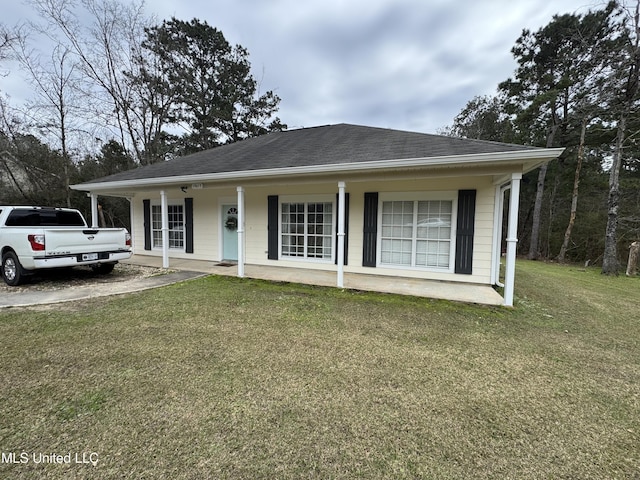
<point>461,292</point>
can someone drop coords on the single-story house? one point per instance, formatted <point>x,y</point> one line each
<point>339,198</point>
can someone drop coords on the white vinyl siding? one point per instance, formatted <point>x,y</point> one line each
<point>208,226</point>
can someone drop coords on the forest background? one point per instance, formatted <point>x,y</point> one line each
<point>131,92</point>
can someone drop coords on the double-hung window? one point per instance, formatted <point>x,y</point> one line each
<point>416,232</point>
<point>307,229</point>
<point>176,226</point>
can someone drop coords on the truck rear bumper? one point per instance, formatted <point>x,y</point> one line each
<point>75,260</point>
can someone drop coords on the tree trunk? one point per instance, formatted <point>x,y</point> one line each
<point>610,264</point>
<point>102,223</point>
<point>10,173</point>
<point>574,195</point>
<point>67,190</point>
<point>632,265</point>
<point>534,252</point>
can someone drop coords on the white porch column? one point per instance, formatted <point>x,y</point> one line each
<point>94,210</point>
<point>341,233</point>
<point>512,240</point>
<point>495,257</point>
<point>165,229</point>
<point>240,191</point>
<point>132,222</point>
<point>497,234</point>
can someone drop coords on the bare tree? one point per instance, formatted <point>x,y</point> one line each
<point>7,38</point>
<point>54,109</point>
<point>106,48</point>
<point>31,169</point>
<point>149,82</point>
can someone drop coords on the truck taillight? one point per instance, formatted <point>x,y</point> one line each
<point>127,239</point>
<point>37,242</point>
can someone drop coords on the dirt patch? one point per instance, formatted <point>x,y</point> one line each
<point>62,279</point>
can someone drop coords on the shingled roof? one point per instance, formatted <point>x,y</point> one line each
<point>313,147</point>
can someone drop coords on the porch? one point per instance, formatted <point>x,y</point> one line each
<point>460,292</point>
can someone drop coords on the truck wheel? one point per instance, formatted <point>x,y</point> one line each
<point>11,269</point>
<point>103,268</point>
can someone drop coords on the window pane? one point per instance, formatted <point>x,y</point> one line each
<point>175,217</point>
<point>290,228</point>
<point>434,225</point>
<point>156,225</point>
<point>307,230</point>
<point>156,217</point>
<point>396,232</point>
<point>157,239</point>
<point>319,230</point>
<point>429,230</point>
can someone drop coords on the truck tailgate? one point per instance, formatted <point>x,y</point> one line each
<point>74,240</point>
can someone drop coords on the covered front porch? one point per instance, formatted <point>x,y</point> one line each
<point>460,292</point>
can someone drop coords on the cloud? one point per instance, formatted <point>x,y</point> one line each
<point>406,64</point>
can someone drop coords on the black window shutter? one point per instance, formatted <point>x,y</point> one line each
<point>188,225</point>
<point>346,226</point>
<point>272,227</point>
<point>370,231</point>
<point>146,207</point>
<point>465,230</point>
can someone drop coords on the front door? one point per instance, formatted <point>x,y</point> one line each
<point>230,232</point>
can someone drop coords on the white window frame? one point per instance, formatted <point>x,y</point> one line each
<point>307,199</point>
<point>170,203</point>
<point>415,197</point>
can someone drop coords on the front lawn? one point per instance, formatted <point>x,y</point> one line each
<point>227,378</point>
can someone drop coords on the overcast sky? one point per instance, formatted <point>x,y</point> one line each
<point>403,64</point>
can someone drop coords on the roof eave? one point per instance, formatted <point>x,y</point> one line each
<point>531,159</point>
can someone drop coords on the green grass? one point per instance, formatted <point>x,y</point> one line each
<point>228,378</point>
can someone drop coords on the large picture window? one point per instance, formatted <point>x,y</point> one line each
<point>416,233</point>
<point>176,226</point>
<point>307,230</point>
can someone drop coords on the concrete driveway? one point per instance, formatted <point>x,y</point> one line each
<point>33,294</point>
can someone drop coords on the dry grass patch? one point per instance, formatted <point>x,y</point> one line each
<point>229,378</point>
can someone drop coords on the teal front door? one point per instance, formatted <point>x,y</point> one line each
<point>230,232</point>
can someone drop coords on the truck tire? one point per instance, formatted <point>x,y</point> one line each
<point>11,269</point>
<point>103,268</point>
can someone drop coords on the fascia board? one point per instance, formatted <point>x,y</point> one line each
<point>536,157</point>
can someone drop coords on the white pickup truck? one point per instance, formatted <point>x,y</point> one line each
<point>32,238</point>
